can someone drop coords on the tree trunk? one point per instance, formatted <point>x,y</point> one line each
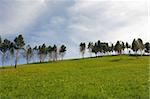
<point>27,59</point>
<point>3,59</point>
<point>82,55</point>
<point>16,61</point>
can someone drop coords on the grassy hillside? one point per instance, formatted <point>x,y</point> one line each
<point>111,77</point>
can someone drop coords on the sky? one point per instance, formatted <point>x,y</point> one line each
<point>70,22</point>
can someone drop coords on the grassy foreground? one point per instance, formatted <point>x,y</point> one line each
<point>110,77</point>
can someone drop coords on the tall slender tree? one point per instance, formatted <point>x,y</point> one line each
<point>123,46</point>
<point>99,46</point>
<point>42,52</point>
<point>135,46</point>
<point>28,53</point>
<point>90,47</point>
<point>50,52</point>
<point>112,47</point>
<point>95,49</point>
<point>127,46</point>
<point>82,49</point>
<point>62,51</point>
<point>35,53</point>
<point>12,51</point>
<point>147,47</point>
<point>140,45</point>
<point>19,44</point>
<point>104,47</point>
<point>5,45</point>
<point>118,47</point>
<point>55,53</point>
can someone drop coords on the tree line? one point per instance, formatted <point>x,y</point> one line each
<point>13,50</point>
<point>103,47</point>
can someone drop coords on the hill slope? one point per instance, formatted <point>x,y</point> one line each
<point>120,77</point>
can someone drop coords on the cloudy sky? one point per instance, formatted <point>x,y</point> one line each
<point>70,22</point>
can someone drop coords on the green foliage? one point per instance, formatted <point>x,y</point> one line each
<point>50,51</point>
<point>135,45</point>
<point>147,47</point>
<point>110,77</point>
<point>82,48</point>
<point>62,51</point>
<point>90,47</point>
<point>4,47</point>
<point>104,47</point>
<point>140,44</point>
<point>19,42</point>
<point>118,47</point>
<point>29,53</point>
<point>127,45</point>
<point>42,52</point>
<point>54,53</point>
<point>95,49</point>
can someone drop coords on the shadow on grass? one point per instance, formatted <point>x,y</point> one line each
<point>42,62</point>
<point>116,60</point>
<point>7,67</point>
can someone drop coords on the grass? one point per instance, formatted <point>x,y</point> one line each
<point>110,77</point>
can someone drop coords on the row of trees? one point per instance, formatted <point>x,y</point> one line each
<point>14,49</point>
<point>17,48</point>
<point>104,47</point>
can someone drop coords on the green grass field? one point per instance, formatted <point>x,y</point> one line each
<point>110,77</point>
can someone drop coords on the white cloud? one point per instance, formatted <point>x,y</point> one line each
<point>108,20</point>
<point>57,22</point>
<point>18,15</point>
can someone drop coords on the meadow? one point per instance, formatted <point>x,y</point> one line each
<point>109,77</point>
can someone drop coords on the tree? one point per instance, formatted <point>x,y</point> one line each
<point>123,46</point>
<point>147,47</point>
<point>12,48</point>
<point>19,44</point>
<point>127,46</point>
<point>29,53</point>
<point>42,52</point>
<point>54,53</point>
<point>82,49</point>
<point>5,46</point>
<point>104,47</point>
<point>118,47</point>
<point>35,52</point>
<point>135,46</point>
<point>50,51</point>
<point>62,51</point>
<point>112,48</point>
<point>95,49</point>
<point>90,47</point>
<point>140,45</point>
<point>99,46</point>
